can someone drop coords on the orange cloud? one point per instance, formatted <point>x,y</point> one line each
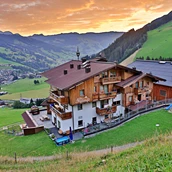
<point>56,16</point>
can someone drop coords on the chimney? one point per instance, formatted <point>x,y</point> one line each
<point>87,70</point>
<point>65,72</point>
<point>71,66</point>
<point>84,60</point>
<point>79,67</point>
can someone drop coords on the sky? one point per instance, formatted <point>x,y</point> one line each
<point>28,17</point>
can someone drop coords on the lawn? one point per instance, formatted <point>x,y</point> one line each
<point>158,43</point>
<point>138,129</point>
<point>27,89</point>
<point>10,116</point>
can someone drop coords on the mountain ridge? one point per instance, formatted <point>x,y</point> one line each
<point>132,40</point>
<point>41,52</point>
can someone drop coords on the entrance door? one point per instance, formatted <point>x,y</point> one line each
<point>55,121</point>
<point>94,120</point>
<point>139,97</point>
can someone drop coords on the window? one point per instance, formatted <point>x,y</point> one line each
<point>141,84</point>
<point>116,103</point>
<point>81,92</point>
<point>106,102</point>
<point>94,104</point>
<point>103,102</point>
<point>112,74</point>
<point>104,75</point>
<point>105,89</point>
<point>59,124</point>
<point>106,116</point>
<point>95,89</point>
<point>79,106</point>
<point>130,98</point>
<point>163,93</point>
<point>80,123</point>
<point>137,84</point>
<point>118,91</point>
<point>101,87</point>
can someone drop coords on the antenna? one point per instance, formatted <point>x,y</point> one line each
<point>77,53</point>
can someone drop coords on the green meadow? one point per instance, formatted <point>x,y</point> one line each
<point>158,43</point>
<point>27,89</point>
<point>40,144</point>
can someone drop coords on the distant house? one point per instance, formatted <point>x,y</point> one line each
<point>88,92</point>
<point>161,90</point>
<point>25,100</point>
<point>2,103</point>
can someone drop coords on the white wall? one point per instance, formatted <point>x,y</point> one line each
<point>86,114</point>
<point>65,124</point>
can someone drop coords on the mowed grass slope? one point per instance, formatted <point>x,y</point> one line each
<point>27,89</point>
<point>10,116</point>
<point>159,43</point>
<point>40,144</point>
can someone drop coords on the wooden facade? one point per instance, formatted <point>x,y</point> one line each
<point>161,92</point>
<point>140,90</point>
<point>63,115</point>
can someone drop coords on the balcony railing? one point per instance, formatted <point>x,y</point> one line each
<point>101,96</point>
<point>62,99</point>
<point>62,115</point>
<point>105,111</point>
<point>111,80</point>
<point>141,90</point>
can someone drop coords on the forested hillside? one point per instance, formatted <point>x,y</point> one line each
<point>132,40</point>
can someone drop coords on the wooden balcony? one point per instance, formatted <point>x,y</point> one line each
<point>111,80</point>
<point>63,100</point>
<point>101,96</point>
<point>81,100</point>
<point>62,115</point>
<point>141,90</point>
<point>106,111</point>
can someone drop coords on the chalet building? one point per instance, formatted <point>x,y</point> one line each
<point>161,90</point>
<point>88,92</point>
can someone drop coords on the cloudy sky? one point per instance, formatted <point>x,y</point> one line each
<point>60,16</point>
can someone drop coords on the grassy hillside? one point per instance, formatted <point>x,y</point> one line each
<point>27,89</point>
<point>10,116</point>
<point>40,144</point>
<point>153,155</point>
<point>158,43</point>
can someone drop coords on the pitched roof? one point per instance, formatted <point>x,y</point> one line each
<point>28,120</point>
<point>135,78</point>
<point>74,76</point>
<point>130,80</point>
<point>163,70</point>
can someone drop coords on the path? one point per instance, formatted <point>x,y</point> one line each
<point>90,153</point>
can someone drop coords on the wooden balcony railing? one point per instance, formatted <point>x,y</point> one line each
<point>111,80</point>
<point>62,115</point>
<point>141,90</point>
<point>101,96</point>
<point>63,100</point>
<point>106,111</point>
